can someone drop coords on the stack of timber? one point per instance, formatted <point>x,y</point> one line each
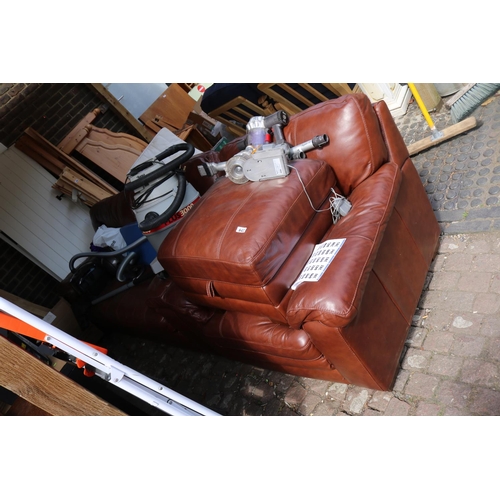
<point>74,178</point>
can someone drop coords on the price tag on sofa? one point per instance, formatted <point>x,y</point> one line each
<point>319,261</point>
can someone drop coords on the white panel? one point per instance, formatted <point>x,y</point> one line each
<point>48,229</point>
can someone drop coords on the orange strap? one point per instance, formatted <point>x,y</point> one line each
<point>16,325</point>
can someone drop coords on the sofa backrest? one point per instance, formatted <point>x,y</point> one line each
<point>356,148</point>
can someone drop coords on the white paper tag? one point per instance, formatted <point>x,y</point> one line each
<point>319,261</point>
<point>240,229</point>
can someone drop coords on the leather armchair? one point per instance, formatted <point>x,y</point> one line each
<point>236,299</point>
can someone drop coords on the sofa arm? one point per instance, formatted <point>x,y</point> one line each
<point>334,300</point>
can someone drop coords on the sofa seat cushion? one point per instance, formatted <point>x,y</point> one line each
<point>240,235</point>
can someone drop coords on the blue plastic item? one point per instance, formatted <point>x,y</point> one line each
<point>146,251</point>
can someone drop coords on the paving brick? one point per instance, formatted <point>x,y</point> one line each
<point>438,342</point>
<point>431,298</point>
<point>309,403</point>
<point>356,400</point>
<point>288,412</point>
<point>485,402</point>
<point>397,408</point>
<point>337,392</point>
<point>452,244</point>
<point>438,320</point>
<point>444,281</point>
<point>458,262</point>
<point>480,372</point>
<point>458,301</point>
<point>474,282</point>
<point>447,366</point>
<point>272,408</point>
<point>380,400</point>
<point>416,360</point>
<point>456,412</point>
<point>467,345</point>
<point>486,263</point>
<point>421,385</point>
<point>479,246</point>
<point>295,395</point>
<point>372,413</point>
<point>401,379</point>
<point>326,409</point>
<point>427,409</point>
<point>486,303</point>
<point>263,392</point>
<point>317,386</point>
<point>282,382</point>
<point>469,226</point>
<point>450,393</point>
<point>490,326</point>
<point>493,349</point>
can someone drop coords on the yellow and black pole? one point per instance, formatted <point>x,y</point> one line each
<point>436,134</point>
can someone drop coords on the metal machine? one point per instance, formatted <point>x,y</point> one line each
<point>262,159</point>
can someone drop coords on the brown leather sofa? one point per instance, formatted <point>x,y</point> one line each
<point>232,295</point>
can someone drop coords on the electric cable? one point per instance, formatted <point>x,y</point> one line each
<point>335,201</point>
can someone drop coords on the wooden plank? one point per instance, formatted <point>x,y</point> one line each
<point>316,93</point>
<point>116,138</point>
<point>35,309</point>
<point>455,97</point>
<point>296,94</point>
<point>36,147</point>
<point>21,407</point>
<point>339,88</point>
<point>66,188</point>
<point>69,143</point>
<point>70,162</point>
<point>290,108</point>
<point>44,387</point>
<point>153,126</point>
<point>121,111</point>
<point>449,132</point>
<point>28,147</point>
<point>84,185</point>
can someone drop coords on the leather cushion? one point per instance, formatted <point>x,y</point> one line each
<point>242,234</point>
<point>356,149</point>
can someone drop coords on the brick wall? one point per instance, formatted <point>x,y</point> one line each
<point>52,109</point>
<point>21,277</point>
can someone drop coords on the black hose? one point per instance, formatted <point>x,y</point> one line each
<point>163,170</point>
<point>147,225</point>
<point>136,243</point>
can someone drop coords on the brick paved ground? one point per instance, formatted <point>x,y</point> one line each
<point>452,358</point>
<point>450,367</point>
